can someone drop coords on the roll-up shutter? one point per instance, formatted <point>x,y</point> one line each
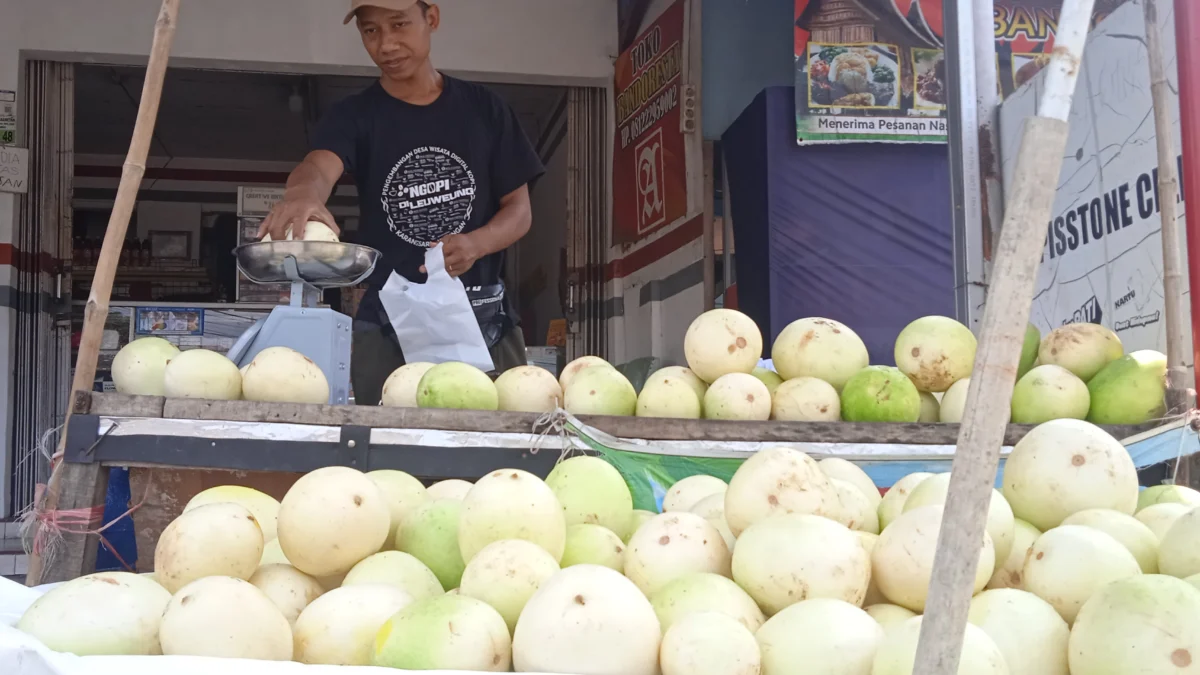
<point>587,211</point>
<point>42,243</point>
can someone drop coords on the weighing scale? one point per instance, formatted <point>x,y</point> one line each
<point>319,333</point>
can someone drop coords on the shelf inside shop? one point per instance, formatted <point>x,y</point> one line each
<point>166,273</point>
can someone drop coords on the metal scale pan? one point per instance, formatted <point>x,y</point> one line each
<point>319,333</point>
<point>321,264</point>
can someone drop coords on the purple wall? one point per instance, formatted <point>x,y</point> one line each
<point>860,233</point>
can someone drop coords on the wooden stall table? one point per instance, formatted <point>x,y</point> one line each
<point>178,447</point>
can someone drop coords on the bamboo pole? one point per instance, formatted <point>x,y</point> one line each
<point>95,313</point>
<point>1168,192</point>
<point>1005,317</point>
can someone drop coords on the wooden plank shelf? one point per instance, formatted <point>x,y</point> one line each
<point>645,428</point>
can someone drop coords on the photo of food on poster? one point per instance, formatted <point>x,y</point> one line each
<point>875,70</point>
<point>861,77</point>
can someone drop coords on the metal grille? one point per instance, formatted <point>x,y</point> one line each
<point>587,209</point>
<point>42,340</point>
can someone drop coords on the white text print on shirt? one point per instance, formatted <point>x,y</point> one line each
<point>428,195</point>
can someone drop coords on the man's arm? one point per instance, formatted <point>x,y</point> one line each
<point>507,227</point>
<point>308,188</point>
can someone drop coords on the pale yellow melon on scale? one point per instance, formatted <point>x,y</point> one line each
<point>313,231</point>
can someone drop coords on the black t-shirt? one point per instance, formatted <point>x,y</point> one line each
<point>426,172</point>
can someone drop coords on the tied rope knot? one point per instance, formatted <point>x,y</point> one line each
<point>43,530</point>
<point>555,426</point>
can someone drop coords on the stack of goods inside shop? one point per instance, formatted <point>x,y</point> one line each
<point>179,286</point>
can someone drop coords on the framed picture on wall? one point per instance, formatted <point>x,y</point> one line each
<point>168,245</point>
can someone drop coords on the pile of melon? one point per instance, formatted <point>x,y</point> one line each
<point>151,366</point>
<point>821,373</point>
<point>795,566</point>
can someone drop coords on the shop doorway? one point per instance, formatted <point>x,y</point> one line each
<point>219,130</point>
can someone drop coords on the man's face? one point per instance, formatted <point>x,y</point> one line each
<point>398,42</point>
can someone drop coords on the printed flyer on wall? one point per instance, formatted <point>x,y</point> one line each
<point>875,70</point>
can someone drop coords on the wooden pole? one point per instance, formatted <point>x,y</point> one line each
<point>709,234</point>
<point>963,143</point>
<point>726,228</point>
<point>1168,191</point>
<point>96,312</point>
<point>1187,50</point>
<point>1005,316</point>
<point>987,100</point>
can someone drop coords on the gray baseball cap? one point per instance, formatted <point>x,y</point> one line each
<point>394,5</point>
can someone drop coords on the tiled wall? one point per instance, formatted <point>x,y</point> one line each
<point>13,561</point>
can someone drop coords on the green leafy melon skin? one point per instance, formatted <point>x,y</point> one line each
<point>1129,390</point>
<point>1029,350</point>
<point>880,394</point>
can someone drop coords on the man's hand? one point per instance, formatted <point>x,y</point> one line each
<point>294,213</point>
<point>509,224</point>
<point>460,252</point>
<point>308,188</point>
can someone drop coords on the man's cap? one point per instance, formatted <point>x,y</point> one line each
<point>394,5</point>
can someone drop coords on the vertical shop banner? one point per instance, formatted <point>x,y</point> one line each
<point>649,169</point>
<point>1102,261</point>
<point>875,70</point>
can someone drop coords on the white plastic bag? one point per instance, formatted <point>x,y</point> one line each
<point>15,599</point>
<point>434,321</point>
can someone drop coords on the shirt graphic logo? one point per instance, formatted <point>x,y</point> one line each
<point>428,196</point>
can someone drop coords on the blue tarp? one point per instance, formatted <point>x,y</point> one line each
<point>860,233</point>
<point>120,535</point>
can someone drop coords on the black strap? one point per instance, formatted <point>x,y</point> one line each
<point>488,303</point>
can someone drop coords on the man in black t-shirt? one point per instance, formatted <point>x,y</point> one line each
<point>435,159</point>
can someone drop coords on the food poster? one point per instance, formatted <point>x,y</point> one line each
<point>865,72</point>
<point>649,167</point>
<point>875,70</point>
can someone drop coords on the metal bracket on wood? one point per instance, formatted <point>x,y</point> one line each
<point>355,445</point>
<point>83,436</point>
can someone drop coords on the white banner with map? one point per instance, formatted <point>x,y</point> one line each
<point>1102,260</point>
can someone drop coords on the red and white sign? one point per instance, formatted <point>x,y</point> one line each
<point>652,210</point>
<point>649,169</point>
